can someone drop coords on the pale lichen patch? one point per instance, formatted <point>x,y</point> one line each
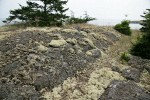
<point>71,31</point>
<point>145,80</point>
<point>71,89</point>
<point>57,43</point>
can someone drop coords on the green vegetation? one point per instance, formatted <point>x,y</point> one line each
<point>125,56</point>
<point>142,48</point>
<point>48,12</point>
<point>74,20</point>
<point>124,27</point>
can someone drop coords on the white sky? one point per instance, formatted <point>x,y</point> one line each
<point>101,9</point>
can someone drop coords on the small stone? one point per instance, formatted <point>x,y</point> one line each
<point>42,48</point>
<point>89,53</point>
<point>71,50</point>
<point>116,69</point>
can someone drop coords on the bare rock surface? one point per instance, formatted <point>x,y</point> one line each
<point>132,74</point>
<point>123,90</point>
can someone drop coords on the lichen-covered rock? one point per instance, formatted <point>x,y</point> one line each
<point>72,41</point>
<point>145,80</point>
<point>83,33</point>
<point>122,90</point>
<point>91,90</point>
<point>94,53</point>
<point>42,48</point>
<point>147,67</point>
<point>45,57</point>
<point>111,36</point>
<point>131,74</point>
<point>57,43</point>
<point>89,42</point>
<point>71,31</point>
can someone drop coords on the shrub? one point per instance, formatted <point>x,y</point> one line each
<point>125,56</point>
<point>75,20</point>
<point>142,48</point>
<point>123,28</point>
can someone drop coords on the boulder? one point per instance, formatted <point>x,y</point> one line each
<point>122,90</point>
<point>132,74</point>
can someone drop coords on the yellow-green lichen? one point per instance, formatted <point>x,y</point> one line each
<point>57,43</point>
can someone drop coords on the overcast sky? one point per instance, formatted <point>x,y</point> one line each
<point>101,9</point>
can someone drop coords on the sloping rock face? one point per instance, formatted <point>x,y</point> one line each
<point>38,58</point>
<point>122,90</point>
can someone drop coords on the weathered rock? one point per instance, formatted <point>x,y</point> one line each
<point>44,58</point>
<point>137,62</point>
<point>72,41</point>
<point>42,48</point>
<point>131,74</point>
<point>89,42</point>
<point>71,50</point>
<point>57,43</point>
<point>71,31</point>
<point>116,69</point>
<point>83,33</point>
<point>122,90</point>
<point>147,67</point>
<point>111,36</point>
<point>94,53</point>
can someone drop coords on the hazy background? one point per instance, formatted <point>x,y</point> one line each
<point>107,12</point>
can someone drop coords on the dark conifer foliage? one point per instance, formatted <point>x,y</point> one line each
<point>142,48</point>
<point>48,12</point>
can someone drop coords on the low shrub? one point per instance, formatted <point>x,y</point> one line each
<point>142,48</point>
<point>125,57</point>
<point>124,27</point>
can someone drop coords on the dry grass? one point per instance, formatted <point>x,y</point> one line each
<point>124,44</point>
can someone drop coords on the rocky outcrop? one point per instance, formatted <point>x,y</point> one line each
<point>42,58</point>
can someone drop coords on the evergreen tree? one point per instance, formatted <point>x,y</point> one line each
<point>50,12</point>
<point>146,22</point>
<point>142,48</point>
